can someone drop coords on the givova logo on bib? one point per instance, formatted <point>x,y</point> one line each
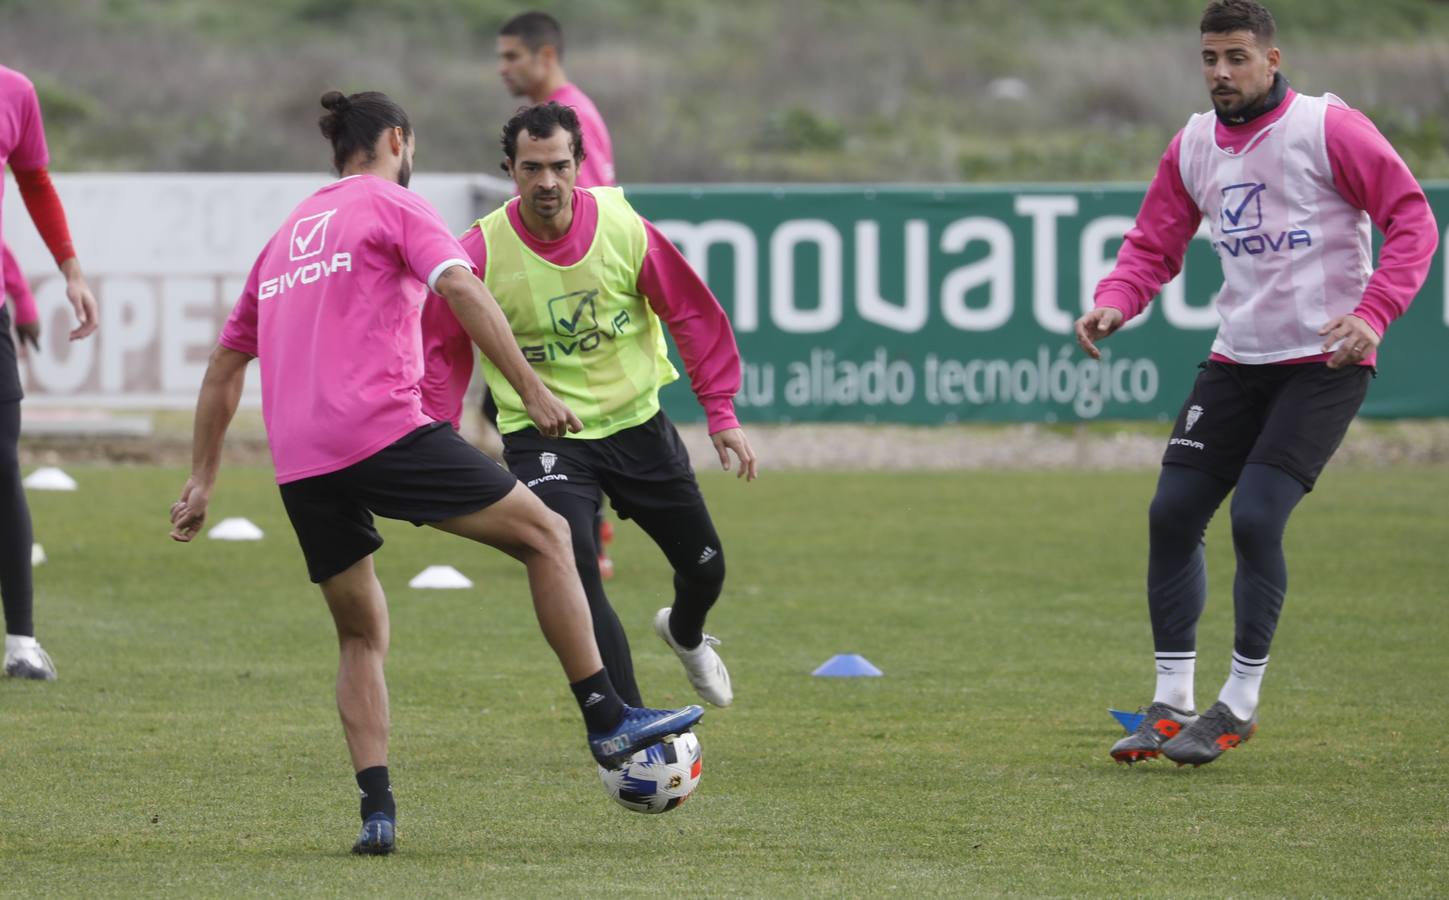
<point>574,318</point>
<point>1243,207</point>
<point>1242,212</point>
<point>574,314</point>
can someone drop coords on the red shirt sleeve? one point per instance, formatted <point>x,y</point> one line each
<point>29,159</point>
<point>698,324</point>
<point>240,331</point>
<point>46,212</point>
<point>1152,252</point>
<point>1370,175</point>
<point>18,288</point>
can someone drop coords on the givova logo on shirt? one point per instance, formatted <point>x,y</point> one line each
<point>309,237</point>
<point>575,321</point>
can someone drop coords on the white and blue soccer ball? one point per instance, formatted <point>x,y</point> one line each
<point>657,778</point>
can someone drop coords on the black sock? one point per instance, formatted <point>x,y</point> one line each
<point>376,790</point>
<point>598,701</point>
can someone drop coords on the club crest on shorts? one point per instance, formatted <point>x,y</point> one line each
<point>547,460</point>
<point>1193,414</point>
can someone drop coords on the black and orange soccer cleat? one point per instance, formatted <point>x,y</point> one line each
<point>1214,732</point>
<point>1159,724</point>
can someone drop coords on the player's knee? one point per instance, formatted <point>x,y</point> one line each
<point>550,536</point>
<point>1171,516</point>
<point>361,630</point>
<point>707,572</point>
<point>581,542</point>
<point>1255,524</point>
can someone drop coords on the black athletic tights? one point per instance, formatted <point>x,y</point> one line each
<point>680,534</point>
<point>1177,575</point>
<point>15,534</point>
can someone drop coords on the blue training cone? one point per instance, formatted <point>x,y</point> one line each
<point>847,665</point>
<point>1128,720</point>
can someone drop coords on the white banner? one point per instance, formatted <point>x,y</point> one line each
<point>167,255</point>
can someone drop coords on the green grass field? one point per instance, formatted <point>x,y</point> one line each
<point>191,747</point>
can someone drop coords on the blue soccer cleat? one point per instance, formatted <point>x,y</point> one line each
<point>640,728</point>
<point>378,837</point>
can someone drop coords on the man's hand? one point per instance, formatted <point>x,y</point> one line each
<point>78,292</point>
<point>1359,340</point>
<point>1096,325</point>
<point>550,415</point>
<point>734,439</point>
<point>29,333</point>
<point>189,513</point>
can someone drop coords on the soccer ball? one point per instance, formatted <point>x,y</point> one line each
<point>657,778</point>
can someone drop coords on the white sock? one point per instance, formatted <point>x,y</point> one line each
<point>17,642</point>
<point>1245,679</point>
<point>1174,679</point>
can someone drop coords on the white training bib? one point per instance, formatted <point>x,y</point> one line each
<point>1294,252</point>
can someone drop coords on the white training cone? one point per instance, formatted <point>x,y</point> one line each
<point>37,554</point>
<point>440,577</point>
<point>237,529</point>
<point>49,479</point>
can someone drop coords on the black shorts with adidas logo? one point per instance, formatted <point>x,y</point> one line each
<point>1292,416</point>
<point>641,469</point>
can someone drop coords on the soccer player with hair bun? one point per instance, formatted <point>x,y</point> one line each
<point>331,312</point>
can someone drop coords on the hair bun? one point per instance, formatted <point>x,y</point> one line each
<point>335,101</point>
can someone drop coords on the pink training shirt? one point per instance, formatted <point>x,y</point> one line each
<point>22,133</point>
<point>332,309</point>
<point>597,169</point>
<point>1367,173</point>
<point>672,288</point>
<point>17,287</point>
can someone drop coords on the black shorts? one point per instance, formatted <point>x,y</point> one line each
<point>1291,416</point>
<point>428,475</point>
<point>641,469</point>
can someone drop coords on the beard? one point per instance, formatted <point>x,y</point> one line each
<point>555,197</point>
<point>405,172</point>
<point>1236,103</point>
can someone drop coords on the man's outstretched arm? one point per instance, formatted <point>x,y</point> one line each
<point>221,391</point>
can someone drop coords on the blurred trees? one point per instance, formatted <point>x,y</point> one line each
<point>697,90</point>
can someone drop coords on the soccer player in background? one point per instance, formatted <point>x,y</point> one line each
<point>331,309</point>
<point>530,62</point>
<point>22,147</point>
<point>585,282</point>
<point>1288,184</point>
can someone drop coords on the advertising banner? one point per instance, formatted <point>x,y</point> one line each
<point>918,305</point>
<point>931,305</point>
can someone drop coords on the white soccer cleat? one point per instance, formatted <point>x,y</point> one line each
<point>705,669</point>
<point>25,658</point>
